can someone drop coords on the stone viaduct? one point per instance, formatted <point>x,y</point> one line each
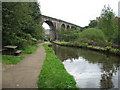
<point>55,24</point>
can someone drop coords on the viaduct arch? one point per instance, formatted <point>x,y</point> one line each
<point>55,24</point>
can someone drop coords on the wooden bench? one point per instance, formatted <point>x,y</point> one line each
<point>18,52</point>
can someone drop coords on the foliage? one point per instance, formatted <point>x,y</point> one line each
<point>115,50</point>
<point>29,49</point>
<point>107,23</point>
<point>91,34</point>
<point>53,73</point>
<point>6,59</point>
<point>93,24</point>
<point>84,44</point>
<point>39,42</point>
<point>85,27</point>
<point>116,35</point>
<point>21,23</point>
<point>60,33</point>
<point>102,44</point>
<point>67,35</point>
<point>61,42</point>
<point>108,48</point>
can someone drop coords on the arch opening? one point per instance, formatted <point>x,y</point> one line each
<point>63,26</point>
<point>68,27</point>
<point>50,33</point>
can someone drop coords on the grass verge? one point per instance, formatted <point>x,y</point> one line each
<point>29,49</point>
<point>0,58</point>
<point>53,73</point>
<point>6,59</point>
<point>39,42</point>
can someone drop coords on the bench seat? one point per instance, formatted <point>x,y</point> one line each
<point>18,52</point>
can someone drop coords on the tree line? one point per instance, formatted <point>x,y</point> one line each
<point>21,26</point>
<point>105,29</point>
<point>21,23</point>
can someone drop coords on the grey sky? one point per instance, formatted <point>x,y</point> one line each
<point>119,9</point>
<point>78,12</point>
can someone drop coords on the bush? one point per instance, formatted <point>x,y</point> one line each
<point>20,42</point>
<point>21,23</point>
<point>84,44</point>
<point>92,34</point>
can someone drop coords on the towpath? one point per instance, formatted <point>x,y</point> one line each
<point>24,74</point>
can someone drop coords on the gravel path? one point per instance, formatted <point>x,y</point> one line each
<point>25,74</point>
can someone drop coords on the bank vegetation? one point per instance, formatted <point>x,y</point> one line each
<point>53,73</point>
<point>101,34</point>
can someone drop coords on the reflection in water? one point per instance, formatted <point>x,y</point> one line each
<point>90,69</point>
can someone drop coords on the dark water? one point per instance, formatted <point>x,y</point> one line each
<point>89,68</point>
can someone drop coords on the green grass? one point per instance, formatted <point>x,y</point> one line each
<point>62,42</point>
<point>39,42</point>
<point>53,73</point>
<point>29,49</point>
<point>0,58</point>
<point>6,59</point>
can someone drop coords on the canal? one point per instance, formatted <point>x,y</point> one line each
<point>90,69</point>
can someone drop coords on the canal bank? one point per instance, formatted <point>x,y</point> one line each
<point>53,73</point>
<point>90,69</point>
<point>104,49</point>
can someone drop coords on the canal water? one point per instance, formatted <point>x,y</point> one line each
<point>90,69</point>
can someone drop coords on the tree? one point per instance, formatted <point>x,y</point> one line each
<point>93,24</point>
<point>21,23</point>
<point>106,22</point>
<point>116,37</point>
<point>67,35</point>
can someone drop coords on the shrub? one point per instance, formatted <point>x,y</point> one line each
<point>84,44</point>
<point>20,42</point>
<point>108,48</point>
<point>115,50</point>
<point>76,43</point>
<point>91,34</point>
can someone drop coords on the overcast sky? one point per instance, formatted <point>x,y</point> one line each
<point>78,12</point>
